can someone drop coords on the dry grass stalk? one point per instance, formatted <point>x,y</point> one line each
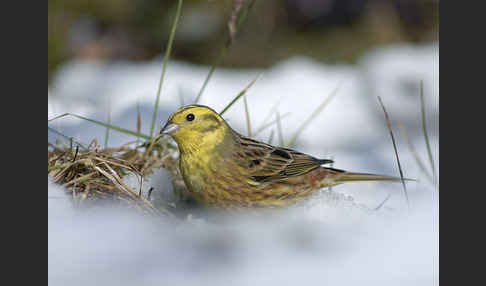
<point>94,173</point>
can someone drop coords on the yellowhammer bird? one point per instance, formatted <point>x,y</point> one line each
<point>224,169</point>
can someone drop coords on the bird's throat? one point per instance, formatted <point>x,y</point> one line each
<point>209,143</point>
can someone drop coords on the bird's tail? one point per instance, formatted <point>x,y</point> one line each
<point>341,176</point>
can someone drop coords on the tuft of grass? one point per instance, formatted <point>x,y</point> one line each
<point>95,174</point>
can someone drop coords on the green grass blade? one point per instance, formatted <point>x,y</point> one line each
<point>222,53</point>
<point>164,64</point>
<point>312,116</point>
<point>229,40</point>
<point>270,113</point>
<point>116,128</point>
<point>270,123</point>
<point>181,97</point>
<point>415,154</point>
<point>279,130</point>
<point>270,139</point>
<point>239,95</point>
<point>139,121</point>
<point>66,137</point>
<point>247,115</point>
<point>424,127</point>
<point>108,121</point>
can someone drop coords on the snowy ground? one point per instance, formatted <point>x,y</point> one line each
<point>337,243</point>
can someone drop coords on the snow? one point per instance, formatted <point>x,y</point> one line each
<point>324,242</point>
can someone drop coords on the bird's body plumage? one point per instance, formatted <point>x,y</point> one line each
<point>224,169</point>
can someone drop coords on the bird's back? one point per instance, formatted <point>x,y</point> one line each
<point>250,173</point>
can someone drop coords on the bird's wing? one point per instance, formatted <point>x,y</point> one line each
<point>263,162</point>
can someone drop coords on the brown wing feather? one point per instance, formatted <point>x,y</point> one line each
<point>263,162</point>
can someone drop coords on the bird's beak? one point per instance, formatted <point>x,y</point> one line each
<point>169,128</point>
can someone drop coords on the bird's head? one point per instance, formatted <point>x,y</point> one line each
<point>196,126</point>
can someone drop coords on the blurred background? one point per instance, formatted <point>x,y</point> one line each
<point>105,61</point>
<point>330,31</point>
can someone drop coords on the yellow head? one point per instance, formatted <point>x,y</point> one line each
<point>196,128</point>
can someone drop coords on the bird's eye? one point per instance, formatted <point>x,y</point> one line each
<point>190,117</point>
